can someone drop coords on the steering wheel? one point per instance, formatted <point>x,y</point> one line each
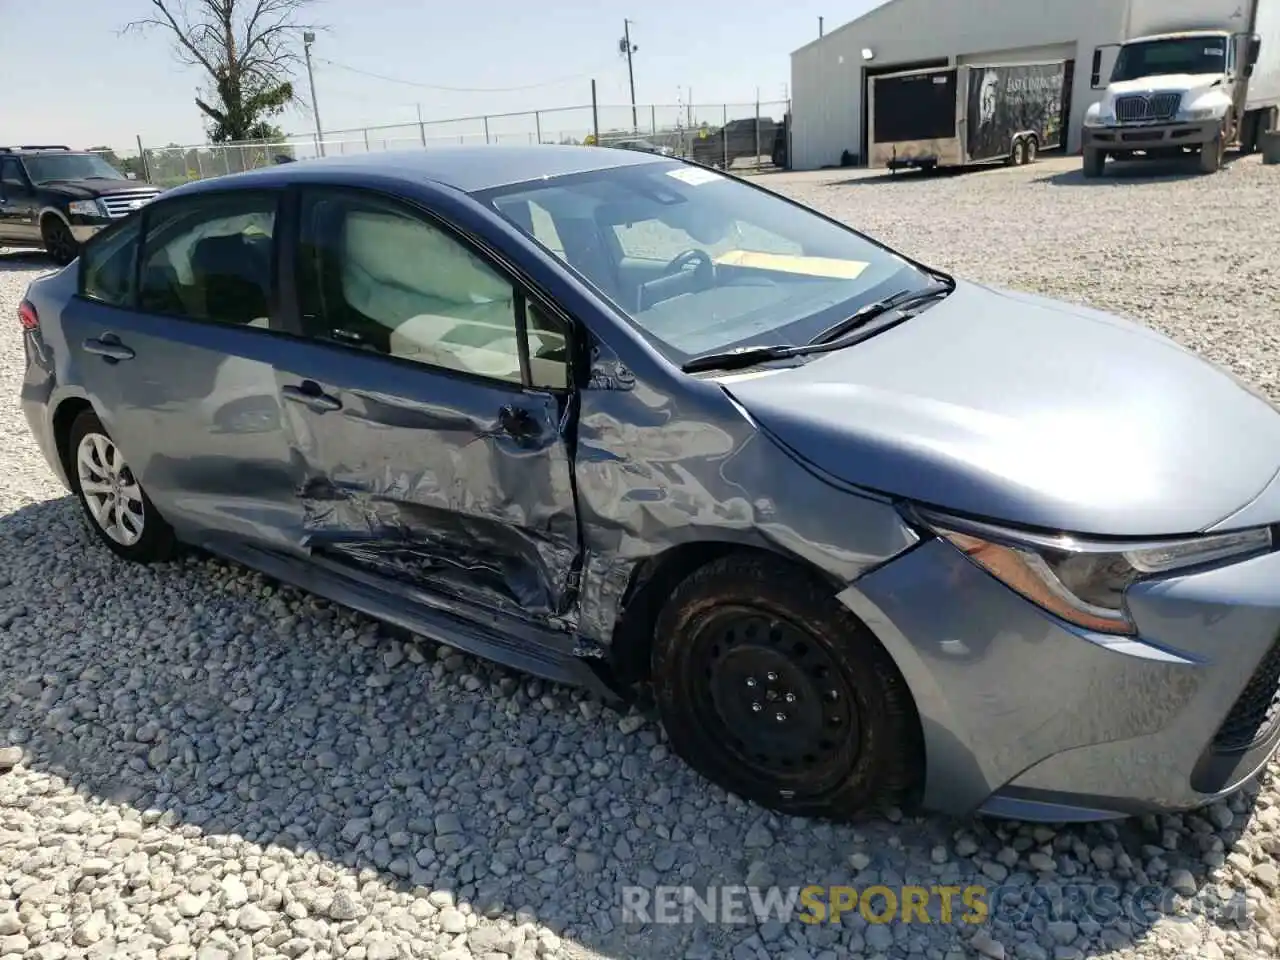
<point>704,267</point>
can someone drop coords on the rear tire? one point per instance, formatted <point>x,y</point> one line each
<point>1030,150</point>
<point>768,687</point>
<point>117,509</point>
<point>1094,161</point>
<point>58,241</point>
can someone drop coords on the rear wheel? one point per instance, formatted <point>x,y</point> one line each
<point>114,503</point>
<point>1030,150</point>
<point>770,688</point>
<point>1094,161</point>
<point>58,241</point>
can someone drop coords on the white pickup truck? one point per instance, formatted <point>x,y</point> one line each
<point>1190,77</point>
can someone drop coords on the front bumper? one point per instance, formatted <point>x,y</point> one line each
<point>82,228</point>
<point>1152,136</point>
<point>1027,718</point>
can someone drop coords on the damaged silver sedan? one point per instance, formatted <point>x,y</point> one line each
<point>873,534</point>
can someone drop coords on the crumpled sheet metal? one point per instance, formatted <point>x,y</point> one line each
<point>655,471</point>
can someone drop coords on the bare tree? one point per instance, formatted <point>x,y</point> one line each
<point>248,49</point>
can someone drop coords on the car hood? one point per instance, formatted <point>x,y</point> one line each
<point>91,189</point>
<point>1165,83</point>
<point>1018,408</point>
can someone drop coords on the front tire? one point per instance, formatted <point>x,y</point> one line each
<point>58,241</point>
<point>1211,155</point>
<point>1094,161</point>
<point>114,503</point>
<point>768,687</point>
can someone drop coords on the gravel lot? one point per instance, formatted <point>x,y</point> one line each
<point>201,764</point>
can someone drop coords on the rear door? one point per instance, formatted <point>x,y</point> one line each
<point>170,337</point>
<point>17,204</point>
<point>428,400</point>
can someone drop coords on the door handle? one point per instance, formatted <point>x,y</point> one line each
<point>517,422</point>
<point>109,347</point>
<point>309,394</point>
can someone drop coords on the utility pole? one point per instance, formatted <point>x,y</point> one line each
<point>625,46</point>
<point>820,31</point>
<point>308,38</point>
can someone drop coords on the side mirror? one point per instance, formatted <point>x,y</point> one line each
<point>1251,53</point>
<point>1096,80</point>
<point>1247,71</point>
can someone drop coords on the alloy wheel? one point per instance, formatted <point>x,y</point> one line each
<point>110,489</point>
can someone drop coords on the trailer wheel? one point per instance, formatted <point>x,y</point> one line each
<point>1030,150</point>
<point>1015,154</point>
<point>1094,161</point>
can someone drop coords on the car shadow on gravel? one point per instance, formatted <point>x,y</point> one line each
<point>374,782</point>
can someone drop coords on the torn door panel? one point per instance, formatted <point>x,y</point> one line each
<point>431,493</point>
<point>495,565</point>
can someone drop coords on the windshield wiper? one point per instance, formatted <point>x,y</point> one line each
<point>898,301</point>
<point>835,337</point>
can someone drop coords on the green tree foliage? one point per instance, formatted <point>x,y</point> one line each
<point>248,50</point>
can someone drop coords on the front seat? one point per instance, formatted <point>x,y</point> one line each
<point>235,275</point>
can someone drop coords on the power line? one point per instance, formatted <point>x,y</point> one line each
<point>436,86</point>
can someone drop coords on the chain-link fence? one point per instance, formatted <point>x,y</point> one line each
<point>748,136</point>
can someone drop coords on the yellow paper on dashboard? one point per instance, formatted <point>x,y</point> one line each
<point>826,267</point>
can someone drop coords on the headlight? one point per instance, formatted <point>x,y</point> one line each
<point>85,208</point>
<point>1099,119</point>
<point>1201,113</point>
<point>1084,581</point>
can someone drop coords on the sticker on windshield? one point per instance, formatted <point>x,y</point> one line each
<point>1213,51</point>
<point>694,176</point>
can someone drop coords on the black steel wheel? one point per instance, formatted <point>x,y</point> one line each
<point>58,241</point>
<point>768,687</point>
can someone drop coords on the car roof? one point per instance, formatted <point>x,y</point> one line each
<point>466,168</point>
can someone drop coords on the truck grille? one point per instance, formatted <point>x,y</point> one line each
<point>1255,714</point>
<point>1143,109</point>
<point>122,204</point>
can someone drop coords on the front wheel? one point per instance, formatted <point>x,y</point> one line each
<point>1094,161</point>
<point>1211,155</point>
<point>58,241</point>
<point>114,503</point>
<point>768,687</point>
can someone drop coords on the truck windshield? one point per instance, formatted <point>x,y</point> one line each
<point>700,262</point>
<point>1202,54</point>
<point>70,166</point>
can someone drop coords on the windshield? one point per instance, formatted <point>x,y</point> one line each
<point>70,166</point>
<point>1203,54</point>
<point>700,262</point>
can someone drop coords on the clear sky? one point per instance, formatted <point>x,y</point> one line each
<point>70,77</point>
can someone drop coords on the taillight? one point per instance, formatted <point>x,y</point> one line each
<point>27,315</point>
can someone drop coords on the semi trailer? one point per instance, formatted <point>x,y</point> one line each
<point>1189,77</point>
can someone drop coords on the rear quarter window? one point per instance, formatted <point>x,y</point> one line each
<point>108,264</point>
